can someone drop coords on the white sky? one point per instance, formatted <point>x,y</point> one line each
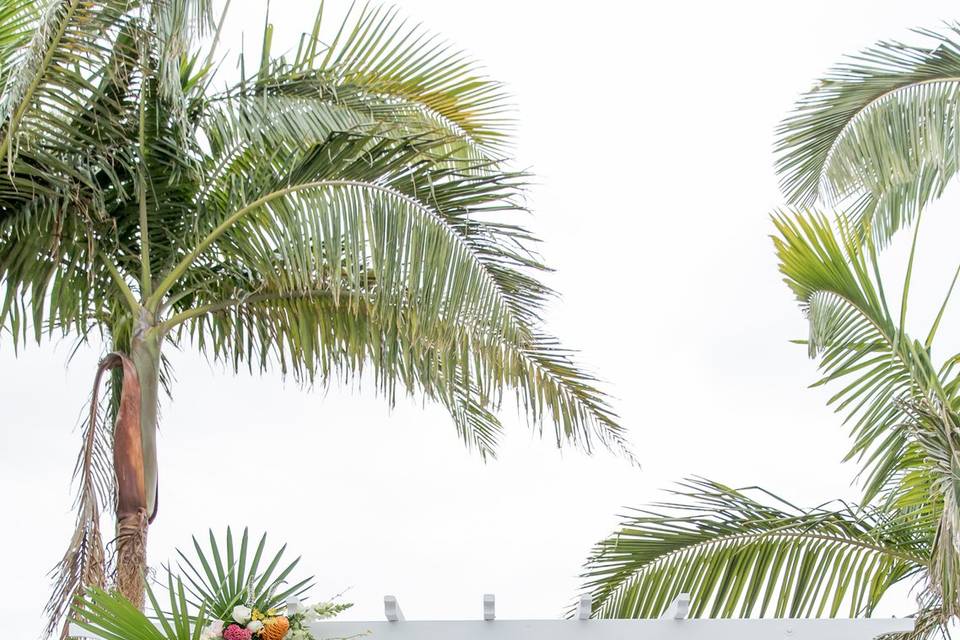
<point>650,129</point>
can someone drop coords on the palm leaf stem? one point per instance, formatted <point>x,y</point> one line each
<point>129,297</point>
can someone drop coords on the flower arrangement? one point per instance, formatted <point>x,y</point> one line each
<point>249,623</point>
<point>231,591</point>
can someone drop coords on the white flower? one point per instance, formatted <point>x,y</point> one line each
<point>241,614</point>
<point>255,626</point>
<point>212,631</point>
<point>321,611</point>
<point>294,606</point>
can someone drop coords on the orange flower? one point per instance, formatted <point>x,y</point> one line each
<point>275,628</point>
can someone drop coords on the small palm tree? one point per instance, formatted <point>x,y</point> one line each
<point>339,207</point>
<point>876,140</point>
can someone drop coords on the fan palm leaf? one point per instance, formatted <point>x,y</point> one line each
<point>227,574</point>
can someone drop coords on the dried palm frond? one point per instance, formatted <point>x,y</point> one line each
<point>106,482</point>
<point>83,563</point>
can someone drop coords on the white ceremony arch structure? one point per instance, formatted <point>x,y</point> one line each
<point>674,625</point>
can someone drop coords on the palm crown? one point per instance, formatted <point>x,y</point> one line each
<point>875,140</point>
<point>340,207</point>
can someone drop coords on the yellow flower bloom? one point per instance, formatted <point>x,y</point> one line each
<point>256,615</point>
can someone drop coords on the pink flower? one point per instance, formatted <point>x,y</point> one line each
<point>236,632</point>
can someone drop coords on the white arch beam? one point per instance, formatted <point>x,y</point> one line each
<point>662,629</point>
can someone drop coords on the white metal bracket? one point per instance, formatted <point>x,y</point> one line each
<point>489,607</point>
<point>678,609</point>
<point>391,608</point>
<point>585,608</point>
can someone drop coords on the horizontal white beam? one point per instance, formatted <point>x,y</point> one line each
<point>698,629</point>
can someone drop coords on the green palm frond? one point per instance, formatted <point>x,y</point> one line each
<point>244,132</point>
<point>737,556</point>
<point>859,344</point>
<point>57,106</point>
<point>450,309</point>
<point>46,290</point>
<point>228,574</point>
<point>110,616</point>
<point>179,26</point>
<point>936,430</point>
<point>479,207</point>
<point>381,67</point>
<point>473,200</point>
<point>313,337</point>
<point>17,19</point>
<point>878,133</point>
<point>69,115</point>
<point>341,234</point>
<point>366,232</point>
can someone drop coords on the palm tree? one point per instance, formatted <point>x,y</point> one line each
<point>344,206</point>
<point>875,141</point>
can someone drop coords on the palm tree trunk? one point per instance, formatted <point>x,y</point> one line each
<point>135,463</point>
<point>131,496</point>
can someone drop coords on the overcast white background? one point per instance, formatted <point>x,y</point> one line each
<point>650,128</point>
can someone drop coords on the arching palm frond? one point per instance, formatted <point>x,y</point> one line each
<point>305,144</point>
<point>62,115</point>
<point>51,284</point>
<point>450,310</point>
<point>859,343</point>
<point>878,134</point>
<point>737,556</point>
<point>337,223</point>
<point>326,315</point>
<point>384,69</point>
<point>903,407</point>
